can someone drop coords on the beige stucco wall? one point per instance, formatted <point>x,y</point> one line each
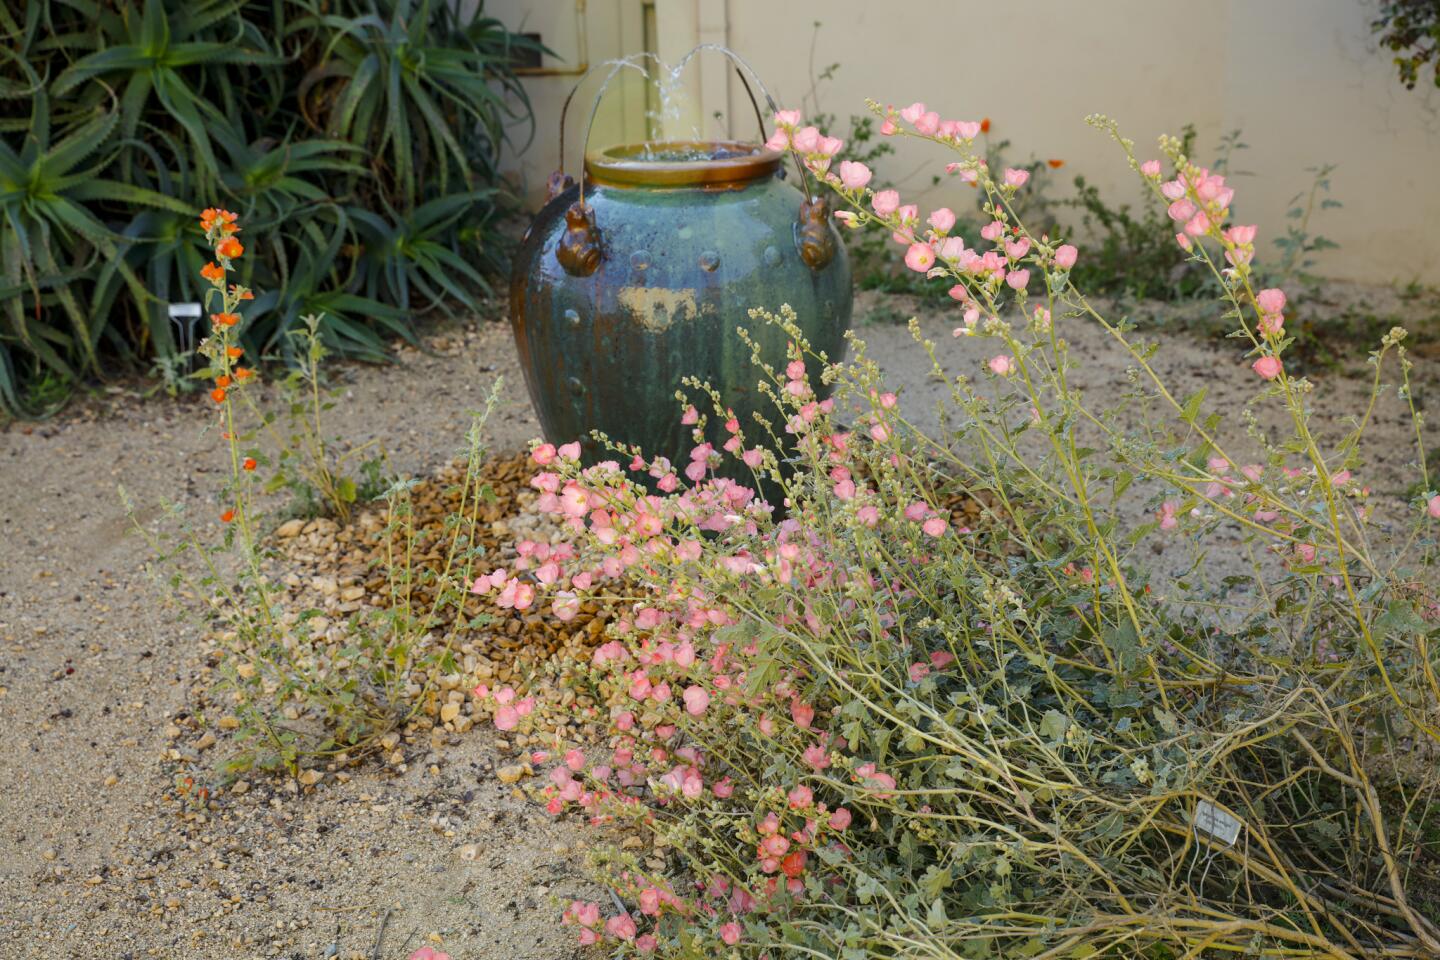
<point>1301,78</point>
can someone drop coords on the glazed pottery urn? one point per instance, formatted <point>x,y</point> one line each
<point>638,278</point>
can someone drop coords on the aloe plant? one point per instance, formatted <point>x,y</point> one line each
<point>49,237</point>
<point>357,138</point>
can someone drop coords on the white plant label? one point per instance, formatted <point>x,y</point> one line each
<point>182,311</point>
<point>1216,822</point>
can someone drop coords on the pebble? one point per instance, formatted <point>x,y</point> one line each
<point>514,772</point>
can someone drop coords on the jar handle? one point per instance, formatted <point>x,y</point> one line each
<point>813,236</point>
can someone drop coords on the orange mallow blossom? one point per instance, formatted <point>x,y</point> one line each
<point>211,218</point>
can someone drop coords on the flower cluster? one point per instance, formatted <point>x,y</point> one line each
<point>865,706</point>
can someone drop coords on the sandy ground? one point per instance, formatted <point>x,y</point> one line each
<point>96,860</point>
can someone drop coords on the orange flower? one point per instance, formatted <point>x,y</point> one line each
<point>229,248</point>
<point>243,373</point>
<point>1055,164</point>
<point>241,293</point>
<point>249,463</point>
<point>218,394</point>
<point>985,125</point>
<point>234,353</point>
<point>222,381</point>
<point>213,272</point>
<point>227,516</point>
<point>225,319</point>
<point>211,218</point>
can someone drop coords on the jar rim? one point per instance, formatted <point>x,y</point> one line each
<point>738,163</point>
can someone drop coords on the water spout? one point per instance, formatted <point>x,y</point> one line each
<point>666,81</point>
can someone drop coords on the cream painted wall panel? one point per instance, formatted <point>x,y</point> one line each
<point>1307,86</point>
<point>1301,77</point>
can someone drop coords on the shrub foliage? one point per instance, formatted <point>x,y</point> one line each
<point>879,725</point>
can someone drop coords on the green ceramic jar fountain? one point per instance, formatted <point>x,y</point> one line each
<point>639,277</point>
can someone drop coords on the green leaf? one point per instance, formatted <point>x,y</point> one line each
<point>1054,725</point>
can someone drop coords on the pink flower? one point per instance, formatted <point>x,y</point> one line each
<point>566,606</point>
<point>913,112</point>
<point>928,123</point>
<point>1017,279</point>
<point>1268,367</point>
<point>544,455</point>
<point>569,451</point>
<point>1016,178</point>
<point>885,202</point>
<point>935,527</point>
<point>429,953</point>
<point>1181,209</point>
<point>800,797</point>
<point>506,718</point>
<point>802,713</point>
<point>1433,506</point>
<point>1168,519</point>
<point>1015,249</point>
<point>1241,235</point>
<point>696,700</point>
<point>920,257</point>
<point>840,819</point>
<point>958,292</point>
<point>646,943</point>
<point>1001,365</point>
<point>967,129</point>
<point>993,230</point>
<point>730,933</point>
<point>788,118</point>
<point>806,140</point>
<point>942,219</point>
<point>621,927</point>
<point>853,174</point>
<point>1065,256</point>
<point>1184,242</point>
<point>1151,168</point>
<point>818,759</point>
<point>1271,300</point>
